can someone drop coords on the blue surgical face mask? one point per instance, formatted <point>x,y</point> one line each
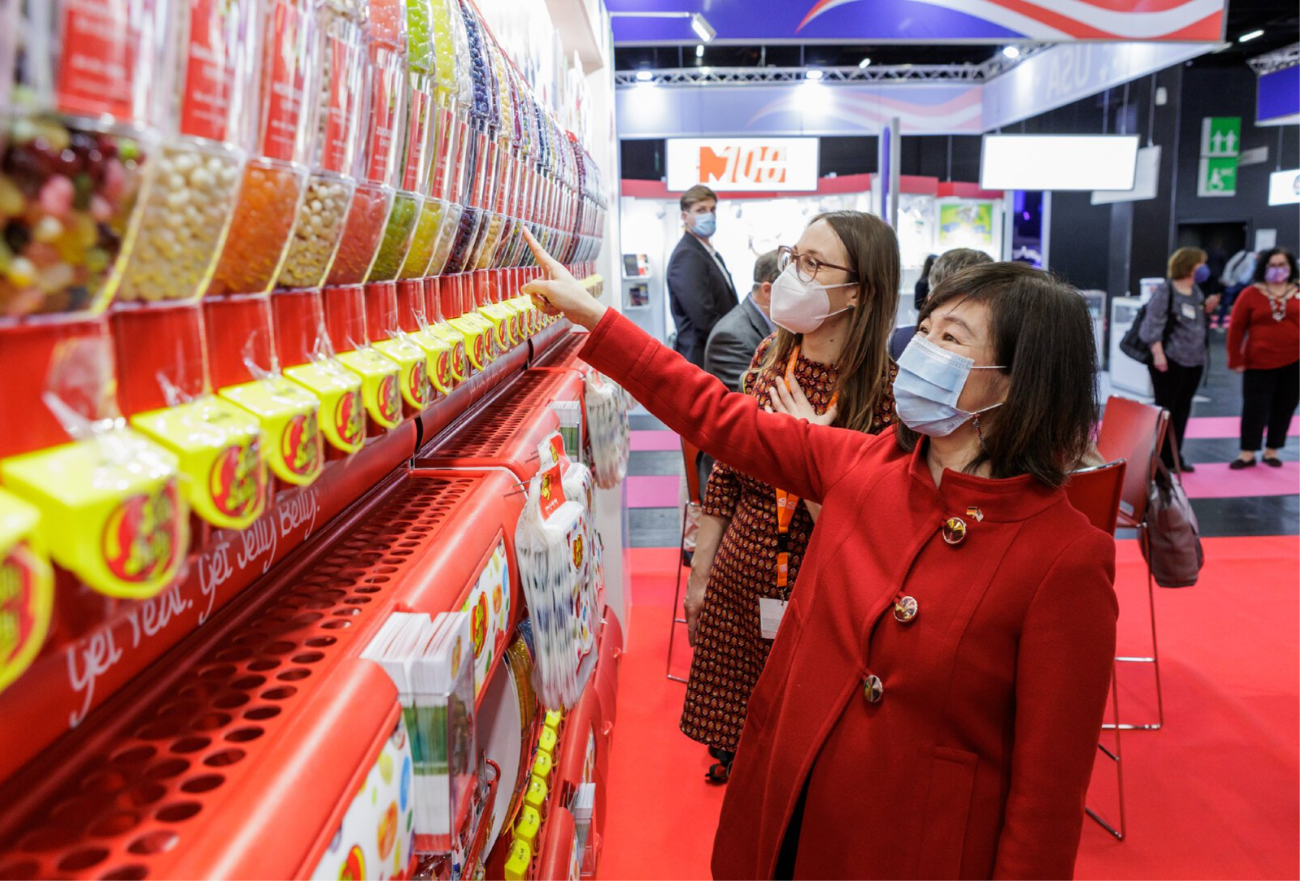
<point>1202,274</point>
<point>705,224</point>
<point>929,384</point>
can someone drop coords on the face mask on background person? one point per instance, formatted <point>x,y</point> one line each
<point>1202,274</point>
<point>705,224</point>
<point>801,307</point>
<point>1276,275</point>
<point>929,384</point>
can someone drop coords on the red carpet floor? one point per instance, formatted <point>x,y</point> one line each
<point>1215,795</point>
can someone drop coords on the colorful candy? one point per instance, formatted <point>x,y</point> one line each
<point>260,230</point>
<point>426,233</point>
<point>186,213</point>
<point>361,234</point>
<point>316,231</point>
<point>397,238</point>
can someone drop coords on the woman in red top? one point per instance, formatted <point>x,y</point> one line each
<point>939,677</point>
<point>1264,346</point>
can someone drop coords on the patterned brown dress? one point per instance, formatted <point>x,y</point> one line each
<point>729,647</point>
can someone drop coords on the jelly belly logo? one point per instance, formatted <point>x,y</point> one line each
<point>458,357</point>
<point>17,587</point>
<point>442,368</point>
<point>417,380</point>
<point>741,164</point>
<point>348,418</point>
<point>140,536</point>
<point>480,349</point>
<point>237,480</point>
<point>300,445</point>
<point>390,402</point>
<point>478,624</point>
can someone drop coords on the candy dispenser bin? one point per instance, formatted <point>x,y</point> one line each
<point>333,201</point>
<point>345,319</point>
<point>109,507</point>
<point>391,340</point>
<point>303,343</point>
<point>76,144</point>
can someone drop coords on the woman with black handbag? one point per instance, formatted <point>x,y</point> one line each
<point>1175,330</point>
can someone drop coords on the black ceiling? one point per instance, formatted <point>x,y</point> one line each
<point>1279,19</point>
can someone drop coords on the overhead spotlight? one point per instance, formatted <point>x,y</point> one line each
<point>813,74</point>
<point>699,50</point>
<point>1011,52</point>
<point>702,28</point>
<point>866,62</point>
<point>644,76</point>
<point>1245,38</point>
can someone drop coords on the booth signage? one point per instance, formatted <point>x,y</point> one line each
<point>1220,147</point>
<point>743,164</point>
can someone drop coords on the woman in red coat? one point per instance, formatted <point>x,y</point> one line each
<point>933,699</point>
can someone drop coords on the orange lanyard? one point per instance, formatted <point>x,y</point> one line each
<point>786,503</point>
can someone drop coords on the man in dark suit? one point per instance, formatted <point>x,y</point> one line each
<point>731,345</point>
<point>700,291</point>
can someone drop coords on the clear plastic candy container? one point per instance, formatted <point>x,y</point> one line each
<point>397,237</point>
<point>362,233</point>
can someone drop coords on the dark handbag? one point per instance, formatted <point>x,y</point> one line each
<point>1131,343</point>
<point>1173,540</point>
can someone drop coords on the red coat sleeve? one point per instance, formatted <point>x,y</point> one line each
<point>1063,671</point>
<point>806,460</point>
<point>1238,326</point>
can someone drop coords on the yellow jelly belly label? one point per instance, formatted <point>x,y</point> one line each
<point>494,349</point>
<point>499,315</point>
<point>342,413</point>
<point>477,341</point>
<point>437,354</point>
<point>294,447</point>
<point>111,510</point>
<point>459,360</point>
<point>26,587</point>
<point>379,382</point>
<point>413,381</point>
<point>219,447</point>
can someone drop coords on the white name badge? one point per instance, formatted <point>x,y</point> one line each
<point>770,613</point>
<point>1189,311</point>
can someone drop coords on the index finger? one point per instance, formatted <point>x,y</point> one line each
<point>553,266</point>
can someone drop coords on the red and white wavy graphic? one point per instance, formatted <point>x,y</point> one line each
<point>959,114</point>
<point>1083,19</point>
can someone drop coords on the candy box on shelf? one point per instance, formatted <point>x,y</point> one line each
<point>307,359</point>
<point>111,510</point>
<point>345,318</point>
<point>26,587</point>
<point>392,341</point>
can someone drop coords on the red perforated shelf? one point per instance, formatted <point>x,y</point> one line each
<point>235,755</point>
<point>506,430</point>
<point>564,352</point>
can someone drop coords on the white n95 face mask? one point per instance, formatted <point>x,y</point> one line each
<point>801,307</point>
<point>929,383</point>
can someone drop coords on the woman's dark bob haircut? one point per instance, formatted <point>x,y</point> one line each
<point>1042,332</point>
<point>1261,265</point>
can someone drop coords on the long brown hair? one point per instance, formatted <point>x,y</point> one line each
<point>864,363</point>
<point>1042,332</point>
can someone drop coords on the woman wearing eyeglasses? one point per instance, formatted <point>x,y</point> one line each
<point>933,699</point>
<point>833,304</point>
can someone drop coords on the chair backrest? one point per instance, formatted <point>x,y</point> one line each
<point>1133,431</point>
<point>691,458</point>
<point>1096,493</point>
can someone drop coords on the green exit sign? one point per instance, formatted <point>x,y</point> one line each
<point>1220,136</point>
<point>1217,176</point>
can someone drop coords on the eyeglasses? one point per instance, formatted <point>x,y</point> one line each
<point>806,266</point>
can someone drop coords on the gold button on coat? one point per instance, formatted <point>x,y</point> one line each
<point>872,688</point>
<point>954,531</point>
<point>906,608</point>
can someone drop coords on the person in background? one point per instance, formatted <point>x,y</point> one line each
<point>939,678</point>
<point>834,301</point>
<point>1175,329</point>
<point>923,285</point>
<point>731,345</point>
<point>1238,274</point>
<point>700,291</point>
<point>945,265</point>
<point>1264,346</point>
